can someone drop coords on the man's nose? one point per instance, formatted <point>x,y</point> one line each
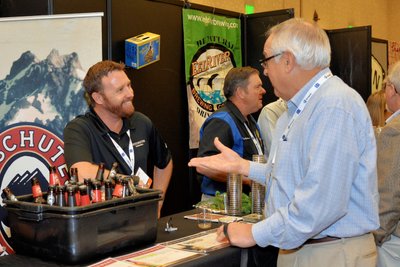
<point>130,92</point>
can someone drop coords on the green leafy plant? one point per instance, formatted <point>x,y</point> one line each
<point>217,203</point>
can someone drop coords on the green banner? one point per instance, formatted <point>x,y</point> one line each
<point>212,47</point>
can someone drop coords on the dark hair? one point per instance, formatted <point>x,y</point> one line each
<point>237,77</point>
<point>92,82</point>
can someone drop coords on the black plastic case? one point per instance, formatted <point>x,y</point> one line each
<point>77,234</point>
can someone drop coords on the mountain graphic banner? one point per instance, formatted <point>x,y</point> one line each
<point>212,47</point>
<point>44,60</point>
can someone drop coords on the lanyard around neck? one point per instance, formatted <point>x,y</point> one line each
<point>129,160</point>
<point>255,140</point>
<point>302,105</point>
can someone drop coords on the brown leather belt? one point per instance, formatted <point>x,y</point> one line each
<point>321,240</point>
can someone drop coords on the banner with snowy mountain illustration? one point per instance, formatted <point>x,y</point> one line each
<point>43,62</point>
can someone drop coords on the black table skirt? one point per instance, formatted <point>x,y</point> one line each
<point>230,256</point>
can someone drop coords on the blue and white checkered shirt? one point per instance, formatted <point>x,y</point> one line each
<point>324,179</point>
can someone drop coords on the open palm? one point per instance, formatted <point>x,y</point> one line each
<point>228,161</point>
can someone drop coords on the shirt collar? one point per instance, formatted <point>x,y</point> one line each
<point>104,129</point>
<point>235,111</point>
<point>295,101</point>
<point>394,115</point>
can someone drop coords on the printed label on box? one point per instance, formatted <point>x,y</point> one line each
<point>142,50</point>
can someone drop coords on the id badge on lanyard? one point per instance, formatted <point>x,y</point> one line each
<point>255,140</point>
<point>301,107</point>
<point>295,116</point>
<point>130,160</point>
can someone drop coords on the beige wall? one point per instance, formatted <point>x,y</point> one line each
<point>341,14</point>
<point>234,5</point>
<point>393,20</point>
<point>381,14</point>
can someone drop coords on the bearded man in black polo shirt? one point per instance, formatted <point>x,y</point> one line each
<point>112,131</point>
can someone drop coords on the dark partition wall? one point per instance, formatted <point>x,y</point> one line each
<point>159,88</point>
<point>12,8</point>
<point>255,27</point>
<point>351,57</point>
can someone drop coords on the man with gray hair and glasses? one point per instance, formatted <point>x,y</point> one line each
<point>387,237</point>
<point>321,179</point>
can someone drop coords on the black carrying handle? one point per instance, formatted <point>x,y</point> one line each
<point>37,217</point>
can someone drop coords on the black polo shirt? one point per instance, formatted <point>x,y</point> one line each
<point>87,138</point>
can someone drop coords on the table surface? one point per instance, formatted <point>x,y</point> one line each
<point>185,228</point>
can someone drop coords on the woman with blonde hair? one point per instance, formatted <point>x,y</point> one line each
<point>376,104</point>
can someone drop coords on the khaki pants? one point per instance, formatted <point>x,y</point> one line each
<point>357,251</point>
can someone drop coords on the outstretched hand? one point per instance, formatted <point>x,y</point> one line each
<point>227,161</point>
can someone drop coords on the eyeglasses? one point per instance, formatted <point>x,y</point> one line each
<point>264,61</point>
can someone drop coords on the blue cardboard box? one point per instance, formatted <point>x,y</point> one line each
<point>142,50</point>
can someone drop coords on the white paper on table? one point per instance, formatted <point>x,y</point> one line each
<point>158,255</point>
<point>202,242</point>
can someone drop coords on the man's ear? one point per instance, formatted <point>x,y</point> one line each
<point>289,61</point>
<point>390,91</point>
<point>98,98</point>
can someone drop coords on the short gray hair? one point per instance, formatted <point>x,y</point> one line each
<point>394,76</point>
<point>237,77</point>
<point>307,42</point>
